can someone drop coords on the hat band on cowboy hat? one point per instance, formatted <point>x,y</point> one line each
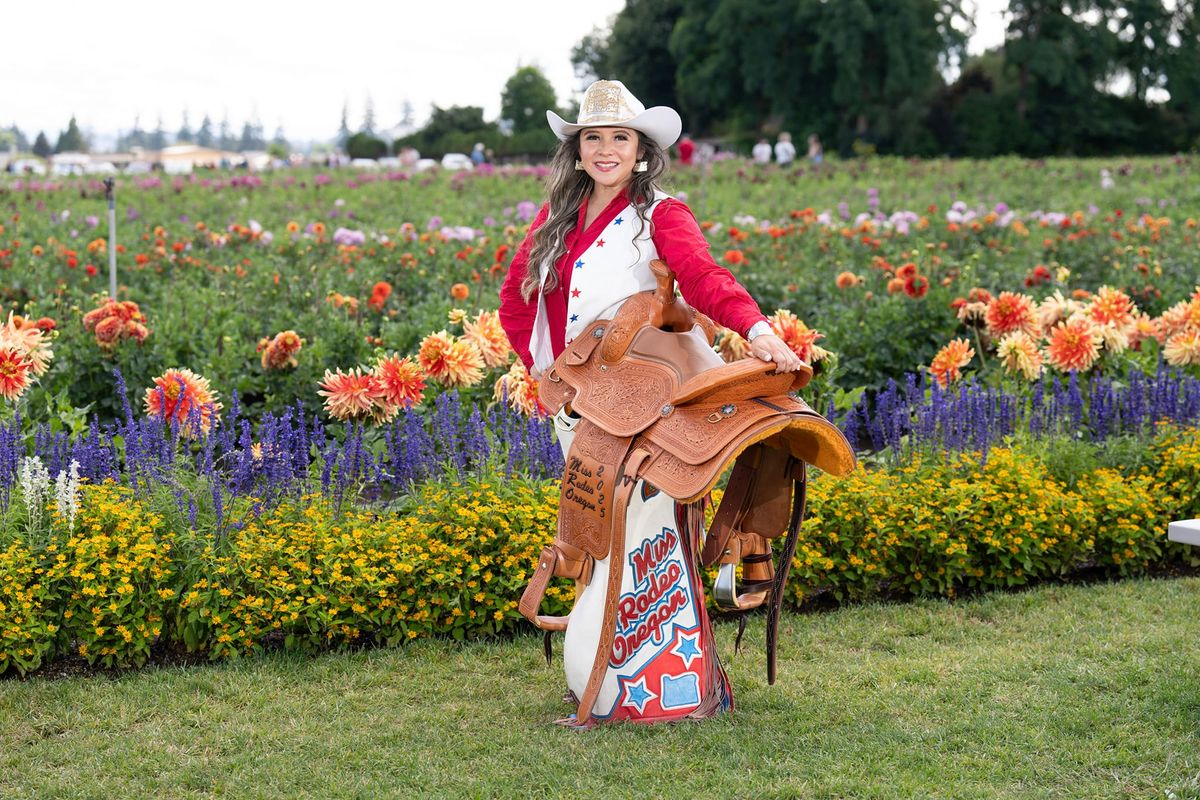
<point>608,104</point>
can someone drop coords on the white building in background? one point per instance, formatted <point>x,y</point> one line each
<point>181,159</point>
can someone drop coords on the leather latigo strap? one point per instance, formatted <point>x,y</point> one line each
<point>585,510</point>
<point>616,568</point>
<point>558,560</point>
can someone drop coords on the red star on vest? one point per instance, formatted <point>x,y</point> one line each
<point>599,243</point>
<point>574,293</point>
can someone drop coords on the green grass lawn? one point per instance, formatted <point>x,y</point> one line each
<point>1071,692</point>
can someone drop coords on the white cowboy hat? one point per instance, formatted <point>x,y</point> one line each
<point>608,104</point>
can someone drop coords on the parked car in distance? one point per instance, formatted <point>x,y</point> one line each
<point>457,161</point>
<point>28,166</point>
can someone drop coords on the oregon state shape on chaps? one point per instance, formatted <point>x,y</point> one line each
<point>649,417</point>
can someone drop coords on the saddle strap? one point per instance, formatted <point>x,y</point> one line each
<point>799,498</point>
<point>558,560</point>
<point>628,479</point>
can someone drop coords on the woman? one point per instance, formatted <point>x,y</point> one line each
<point>587,251</point>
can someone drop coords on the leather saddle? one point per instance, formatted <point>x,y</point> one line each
<point>658,404</point>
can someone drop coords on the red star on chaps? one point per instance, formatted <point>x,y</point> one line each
<point>599,243</point>
<point>574,293</point>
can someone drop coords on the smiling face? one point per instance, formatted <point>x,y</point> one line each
<point>608,155</point>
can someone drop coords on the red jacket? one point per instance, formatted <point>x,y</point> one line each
<point>705,284</point>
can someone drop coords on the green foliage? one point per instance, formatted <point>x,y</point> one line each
<point>41,145</point>
<point>71,140</point>
<point>451,130</point>
<point>364,145</point>
<point>526,97</point>
<point>871,71</point>
<point>638,52</point>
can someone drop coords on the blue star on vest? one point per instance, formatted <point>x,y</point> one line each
<point>579,264</point>
<point>637,695</point>
<point>574,318</point>
<point>687,649</point>
<point>618,221</point>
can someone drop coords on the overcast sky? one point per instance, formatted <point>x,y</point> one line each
<point>293,64</point>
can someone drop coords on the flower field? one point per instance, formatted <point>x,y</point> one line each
<point>299,423</point>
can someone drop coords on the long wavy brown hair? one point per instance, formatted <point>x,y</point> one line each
<point>567,189</point>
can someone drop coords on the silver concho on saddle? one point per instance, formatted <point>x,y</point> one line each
<point>659,408</point>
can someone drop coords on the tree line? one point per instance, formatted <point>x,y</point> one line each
<point>1086,77</point>
<point>221,137</point>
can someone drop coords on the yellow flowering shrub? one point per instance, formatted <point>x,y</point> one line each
<point>1129,525</point>
<point>930,528</point>
<point>115,577</point>
<point>1018,522</point>
<point>453,563</point>
<point>454,558</point>
<point>28,630</point>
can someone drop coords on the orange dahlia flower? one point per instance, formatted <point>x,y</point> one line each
<point>401,382</point>
<point>1183,349</point>
<point>29,340</point>
<point>1054,309</point>
<point>489,337</point>
<point>916,286</point>
<point>460,291</point>
<point>950,360</point>
<point>847,280</point>
<point>1144,327</point>
<point>1019,352</point>
<point>1010,312</point>
<point>520,388</point>
<point>1113,305</point>
<point>14,372</point>
<point>115,319</point>
<point>280,352</point>
<point>731,346</point>
<point>1074,345</point>
<point>379,295</point>
<point>798,336</point>
<point>182,391</point>
<point>350,395</point>
<point>463,364</point>
<point>432,354</point>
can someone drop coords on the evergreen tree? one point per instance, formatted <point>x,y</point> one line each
<point>252,137</point>
<point>368,126</point>
<point>343,134</point>
<point>279,138</point>
<point>185,130</point>
<point>41,145</point>
<point>71,140</point>
<point>136,137</point>
<point>225,138</point>
<point>157,139</point>
<point>204,136</point>
<point>19,139</point>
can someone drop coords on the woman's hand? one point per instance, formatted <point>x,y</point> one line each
<point>769,347</point>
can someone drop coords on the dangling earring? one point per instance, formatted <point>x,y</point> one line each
<point>641,166</point>
<point>578,165</point>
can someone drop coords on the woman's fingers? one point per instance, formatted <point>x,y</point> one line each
<point>773,349</point>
